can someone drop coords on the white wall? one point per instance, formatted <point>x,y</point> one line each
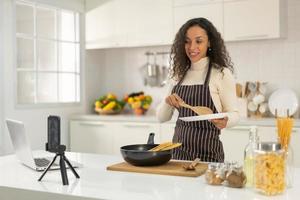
<point>35,118</point>
<point>274,61</point>
<point>1,77</point>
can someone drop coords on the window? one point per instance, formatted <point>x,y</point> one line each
<point>48,54</point>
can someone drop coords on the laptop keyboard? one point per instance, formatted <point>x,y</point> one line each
<point>42,162</point>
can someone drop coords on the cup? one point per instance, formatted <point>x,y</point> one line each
<point>258,99</point>
<point>263,108</point>
<point>252,106</point>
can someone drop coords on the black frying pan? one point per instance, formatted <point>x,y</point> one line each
<point>139,155</point>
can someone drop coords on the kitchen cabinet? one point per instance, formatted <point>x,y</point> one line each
<point>91,136</point>
<point>167,131</point>
<point>100,26</point>
<point>234,142</point>
<point>210,9</point>
<point>129,23</point>
<point>254,19</point>
<point>107,137</point>
<point>127,133</point>
<point>133,23</point>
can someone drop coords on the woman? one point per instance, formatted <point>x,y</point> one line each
<point>201,76</point>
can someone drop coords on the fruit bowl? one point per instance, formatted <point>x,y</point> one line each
<point>109,105</point>
<point>107,112</point>
<point>139,102</point>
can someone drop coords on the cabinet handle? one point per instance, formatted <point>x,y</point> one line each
<point>252,36</point>
<point>195,2</point>
<point>241,128</point>
<point>91,124</point>
<point>136,126</point>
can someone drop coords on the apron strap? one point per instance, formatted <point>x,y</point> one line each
<point>181,80</point>
<point>207,78</point>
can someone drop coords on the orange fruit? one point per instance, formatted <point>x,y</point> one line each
<point>139,111</point>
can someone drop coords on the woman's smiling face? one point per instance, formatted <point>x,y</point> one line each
<point>196,43</point>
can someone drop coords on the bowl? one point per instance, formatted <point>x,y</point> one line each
<point>107,112</point>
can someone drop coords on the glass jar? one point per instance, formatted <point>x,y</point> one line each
<point>214,175</point>
<point>269,169</point>
<point>236,177</point>
<point>289,159</point>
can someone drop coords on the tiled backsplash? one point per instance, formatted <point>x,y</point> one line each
<point>274,61</point>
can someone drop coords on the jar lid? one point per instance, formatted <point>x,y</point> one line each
<point>269,146</point>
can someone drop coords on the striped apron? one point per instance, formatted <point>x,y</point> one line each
<point>200,139</point>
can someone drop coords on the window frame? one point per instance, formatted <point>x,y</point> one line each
<point>78,70</point>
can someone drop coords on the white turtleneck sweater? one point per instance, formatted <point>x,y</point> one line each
<point>222,89</point>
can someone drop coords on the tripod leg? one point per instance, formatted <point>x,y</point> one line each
<point>71,167</point>
<point>63,171</point>
<point>48,167</point>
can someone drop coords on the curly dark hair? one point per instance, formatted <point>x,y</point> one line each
<point>218,55</point>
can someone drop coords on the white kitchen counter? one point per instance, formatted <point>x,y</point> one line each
<point>20,182</point>
<point>153,119</point>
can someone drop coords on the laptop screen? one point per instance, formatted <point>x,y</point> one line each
<point>20,142</point>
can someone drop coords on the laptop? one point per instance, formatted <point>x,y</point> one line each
<point>23,151</point>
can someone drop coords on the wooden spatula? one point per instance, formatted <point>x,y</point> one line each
<point>161,146</point>
<point>165,146</point>
<point>200,110</point>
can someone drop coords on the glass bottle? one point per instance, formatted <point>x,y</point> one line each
<point>249,155</point>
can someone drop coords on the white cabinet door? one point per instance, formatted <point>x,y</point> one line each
<point>167,131</point>
<point>234,142</point>
<point>253,19</point>
<point>100,26</point>
<point>152,23</point>
<point>91,137</point>
<point>212,10</point>
<point>127,133</point>
<point>128,23</point>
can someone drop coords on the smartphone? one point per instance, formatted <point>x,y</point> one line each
<point>53,133</point>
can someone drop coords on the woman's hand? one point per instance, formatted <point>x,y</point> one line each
<point>220,123</point>
<point>173,100</point>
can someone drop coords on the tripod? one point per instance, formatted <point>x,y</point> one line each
<point>60,151</point>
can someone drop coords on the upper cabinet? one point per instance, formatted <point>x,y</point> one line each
<point>188,9</point>
<point>100,26</point>
<point>254,19</point>
<point>128,23</point>
<point>133,23</point>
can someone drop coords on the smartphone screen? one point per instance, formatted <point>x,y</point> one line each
<point>53,132</point>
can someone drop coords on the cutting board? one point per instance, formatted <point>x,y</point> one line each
<point>173,168</point>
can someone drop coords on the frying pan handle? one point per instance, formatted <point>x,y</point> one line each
<point>151,138</point>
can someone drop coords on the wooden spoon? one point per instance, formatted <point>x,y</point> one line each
<point>200,110</point>
<point>192,166</point>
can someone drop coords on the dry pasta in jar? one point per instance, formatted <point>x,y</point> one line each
<point>269,170</point>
